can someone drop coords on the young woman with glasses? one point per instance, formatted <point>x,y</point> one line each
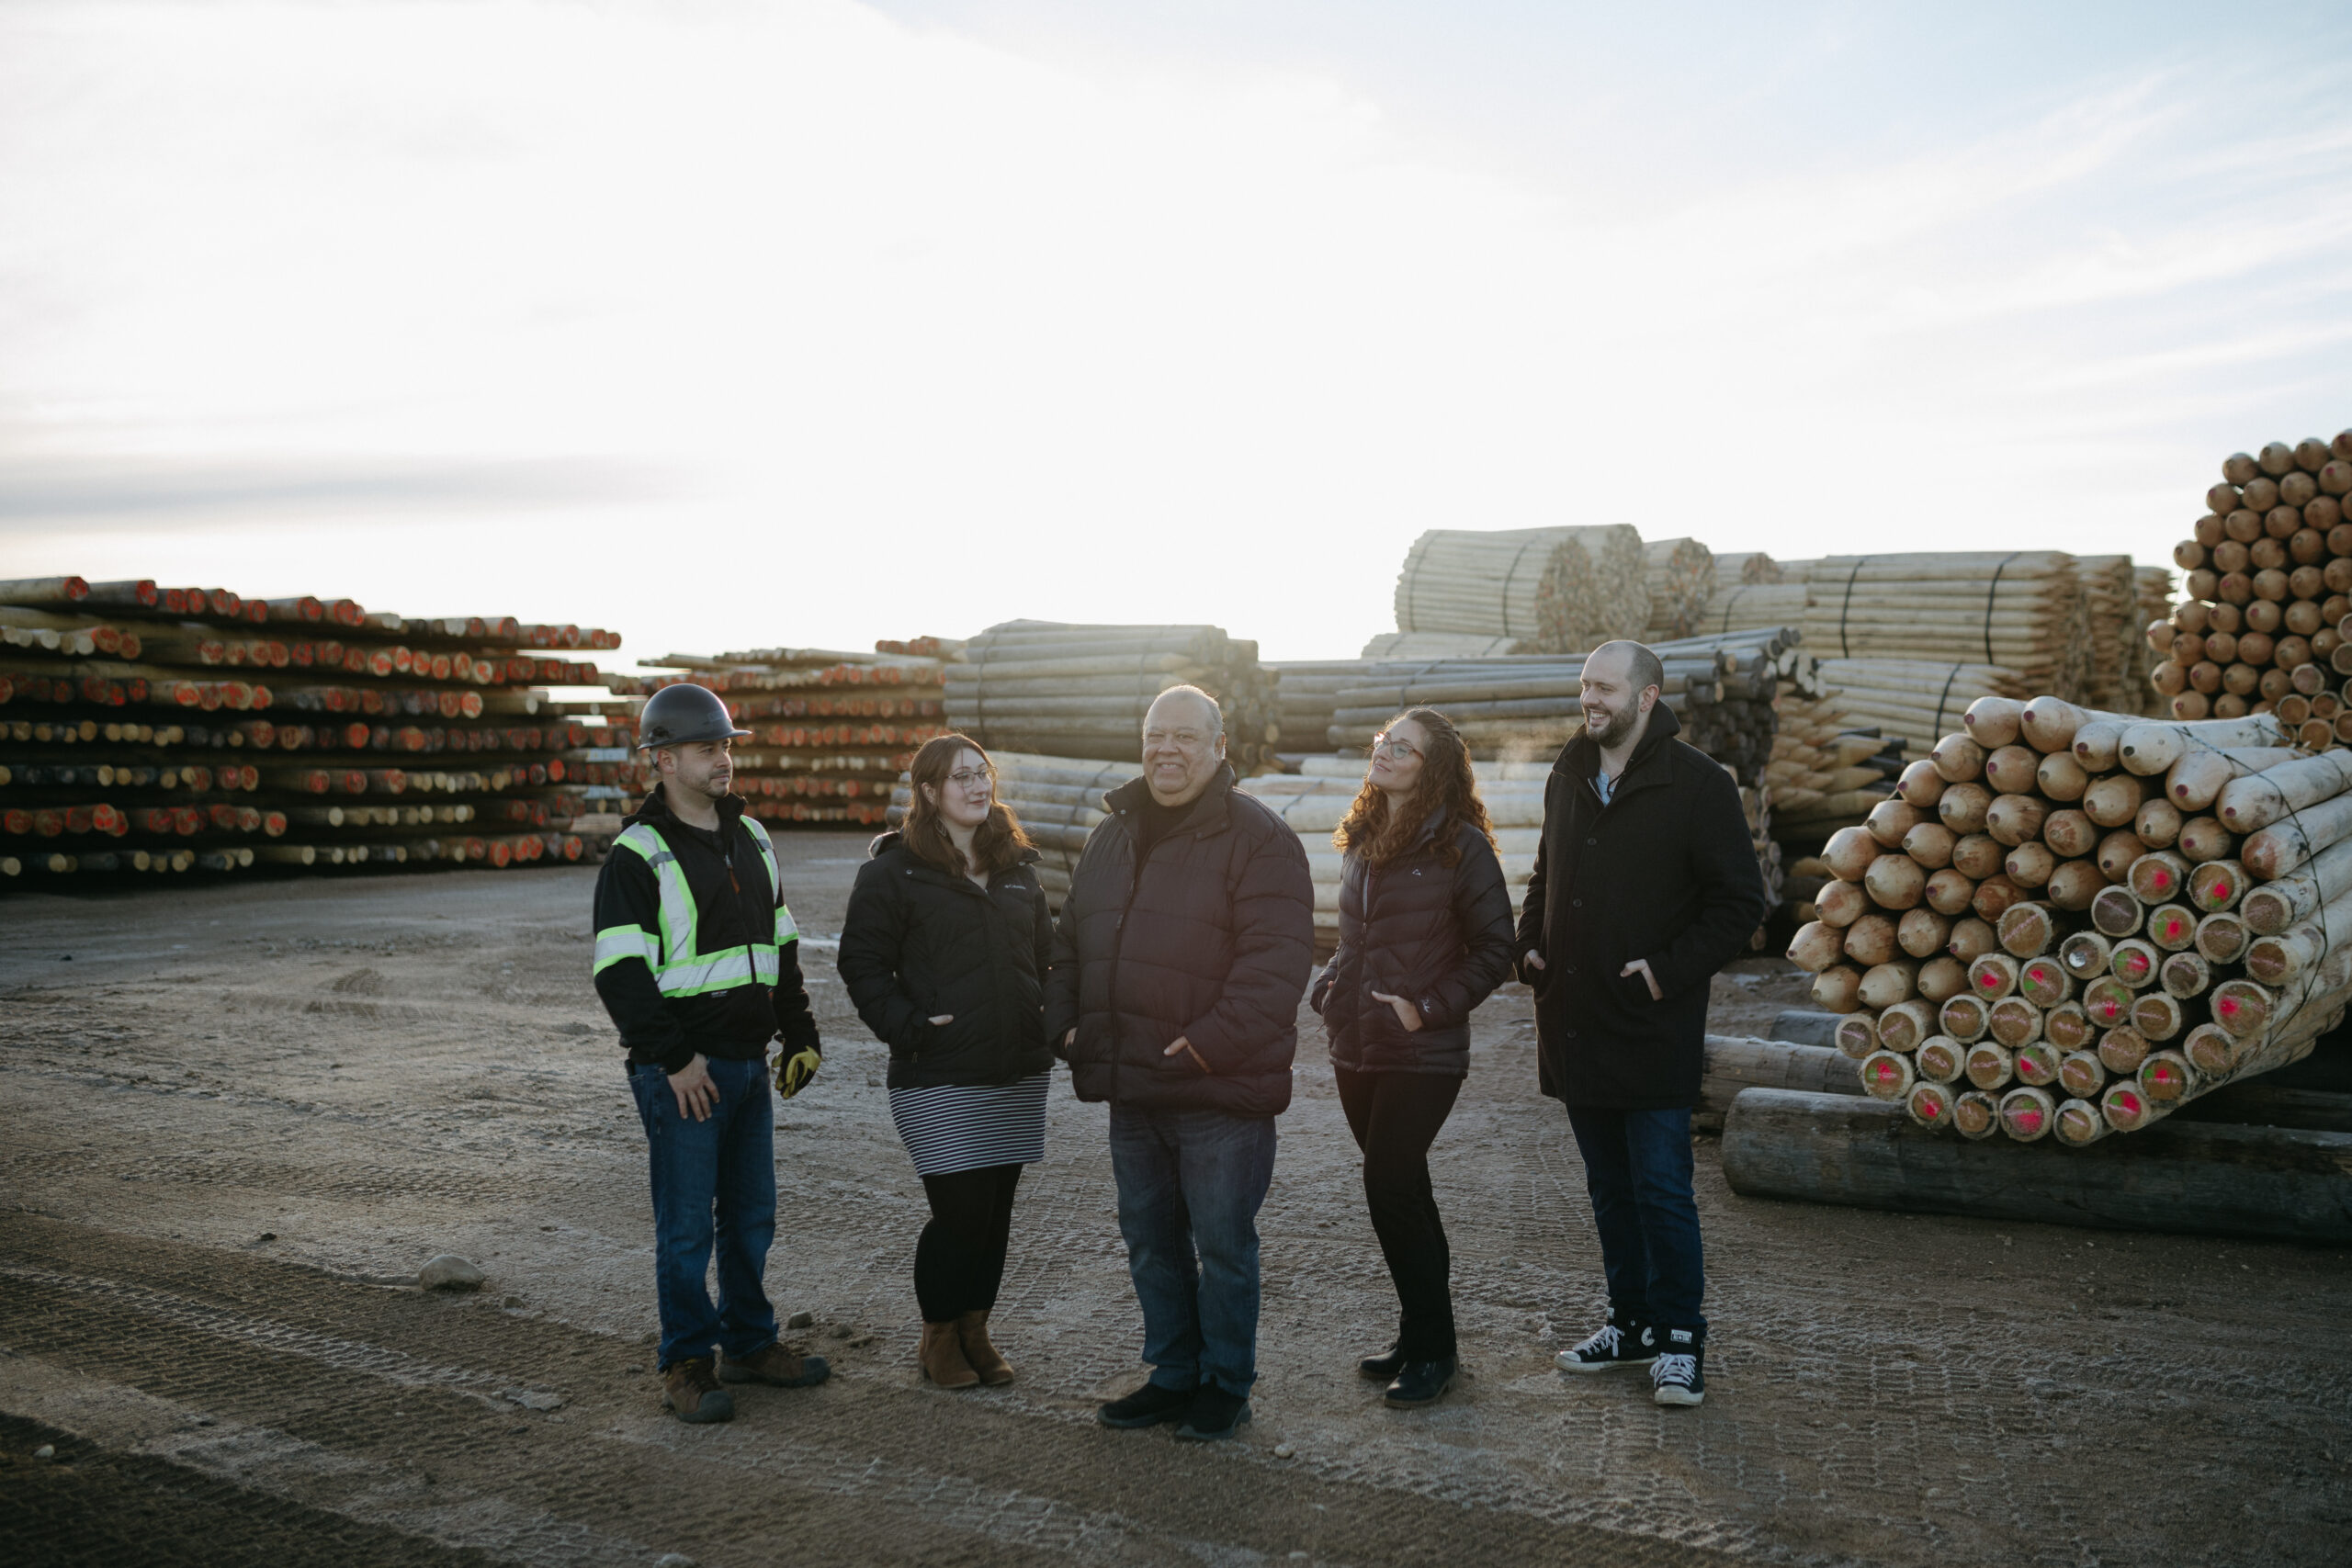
<point>944,951</point>
<point>1425,936</point>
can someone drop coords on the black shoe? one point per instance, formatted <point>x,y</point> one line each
<point>1384,1367</point>
<point>1214,1414</point>
<point>1680,1374</point>
<point>1420,1382</point>
<point>1148,1406</point>
<point>1614,1343</point>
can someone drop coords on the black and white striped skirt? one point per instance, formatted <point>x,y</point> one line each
<point>956,1127</point>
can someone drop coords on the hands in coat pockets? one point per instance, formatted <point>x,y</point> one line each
<point>1408,1019</point>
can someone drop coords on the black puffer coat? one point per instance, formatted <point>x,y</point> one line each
<point>1210,940</point>
<point>1664,872</point>
<point>918,942</point>
<point>1439,936</point>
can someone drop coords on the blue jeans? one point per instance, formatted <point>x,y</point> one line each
<point>1190,1186</point>
<point>1637,1169</point>
<point>714,1182</point>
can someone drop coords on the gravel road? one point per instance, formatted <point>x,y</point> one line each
<point>234,1112</point>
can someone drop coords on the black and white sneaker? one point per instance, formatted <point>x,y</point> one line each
<point>1615,1344</point>
<point>1679,1376</point>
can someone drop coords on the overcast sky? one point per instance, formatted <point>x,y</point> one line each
<point>807,322</point>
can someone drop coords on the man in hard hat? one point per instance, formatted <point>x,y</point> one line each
<point>697,961</point>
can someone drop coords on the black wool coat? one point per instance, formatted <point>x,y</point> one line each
<point>1209,939</point>
<point>1439,936</point>
<point>1664,872</point>
<point>918,942</point>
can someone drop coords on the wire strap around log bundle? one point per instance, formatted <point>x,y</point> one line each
<point>1990,590</point>
<point>1509,577</point>
<point>1851,572</point>
<point>1943,697</point>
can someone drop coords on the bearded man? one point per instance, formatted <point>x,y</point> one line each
<point>1645,883</point>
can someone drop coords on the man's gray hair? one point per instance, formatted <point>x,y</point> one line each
<point>1642,666</point>
<point>1216,714</point>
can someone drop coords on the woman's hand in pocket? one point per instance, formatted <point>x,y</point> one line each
<point>1407,1018</point>
<point>943,1021</point>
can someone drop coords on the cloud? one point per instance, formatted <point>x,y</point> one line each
<point>923,332</point>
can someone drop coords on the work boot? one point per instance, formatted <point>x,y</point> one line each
<point>689,1388</point>
<point>1213,1415</point>
<point>1148,1406</point>
<point>776,1367</point>
<point>943,1358</point>
<point>1420,1383</point>
<point>972,1334</point>
<point>1384,1367</point>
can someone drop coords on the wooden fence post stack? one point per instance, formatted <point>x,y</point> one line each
<point>1549,588</point>
<point>1082,691</point>
<point>831,731</point>
<point>1680,577</point>
<point>163,730</point>
<point>2069,923</point>
<point>2268,596</point>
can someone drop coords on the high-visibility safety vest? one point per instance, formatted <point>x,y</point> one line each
<point>678,968</point>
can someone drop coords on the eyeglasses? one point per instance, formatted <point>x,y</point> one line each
<point>965,778</point>
<point>1398,750</point>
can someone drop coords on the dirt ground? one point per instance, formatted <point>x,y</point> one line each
<point>233,1115</point>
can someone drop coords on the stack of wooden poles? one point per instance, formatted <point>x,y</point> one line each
<point>2268,595</point>
<point>2021,610</point>
<point>2071,923</point>
<point>161,730</point>
<point>832,730</point>
<point>1548,588</point>
<point>1680,577</point>
<point>1082,691</point>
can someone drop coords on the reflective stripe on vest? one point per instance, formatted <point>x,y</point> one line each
<point>678,969</point>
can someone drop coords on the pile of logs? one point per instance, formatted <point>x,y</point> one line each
<point>2069,923</point>
<point>2268,602</point>
<point>165,730</point>
<point>1082,691</point>
<point>2020,611</point>
<point>1680,577</point>
<point>1549,589</point>
<point>832,730</point>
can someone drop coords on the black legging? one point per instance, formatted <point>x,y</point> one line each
<point>1396,1117</point>
<point>959,1261</point>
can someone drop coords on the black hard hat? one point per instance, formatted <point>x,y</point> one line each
<point>678,715</point>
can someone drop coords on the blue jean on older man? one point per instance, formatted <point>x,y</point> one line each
<point>1190,1183</point>
<point>714,1188</point>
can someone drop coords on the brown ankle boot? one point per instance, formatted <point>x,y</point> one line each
<point>972,1332</point>
<point>943,1358</point>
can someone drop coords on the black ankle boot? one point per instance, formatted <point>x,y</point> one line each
<point>1420,1382</point>
<point>1384,1367</point>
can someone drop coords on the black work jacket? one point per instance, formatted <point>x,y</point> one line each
<point>734,904</point>
<point>1665,872</point>
<point>919,942</point>
<point>1439,936</point>
<point>1210,940</point>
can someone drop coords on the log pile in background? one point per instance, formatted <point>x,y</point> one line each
<point>831,731</point>
<point>1680,577</point>
<point>1444,645</point>
<point>2021,610</point>
<point>2268,596</point>
<point>159,730</point>
<point>1082,691</point>
<point>1743,567</point>
<point>1549,588</point>
<point>2071,923</point>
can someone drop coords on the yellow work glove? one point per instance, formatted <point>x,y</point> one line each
<point>792,1072</point>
